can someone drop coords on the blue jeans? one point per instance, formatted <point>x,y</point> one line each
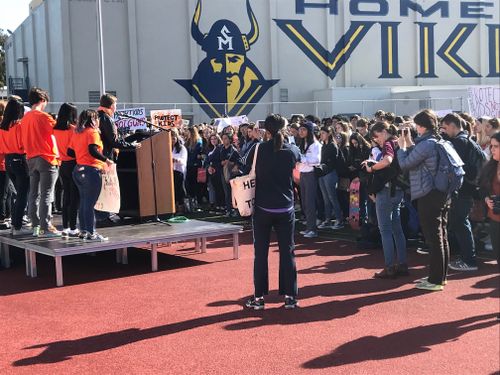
<point>460,230</point>
<point>88,181</point>
<point>328,186</point>
<point>389,224</point>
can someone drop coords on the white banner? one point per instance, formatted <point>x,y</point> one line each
<point>222,123</point>
<point>484,101</point>
<point>127,125</point>
<point>167,118</point>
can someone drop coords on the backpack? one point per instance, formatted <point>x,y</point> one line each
<point>475,161</point>
<point>450,172</point>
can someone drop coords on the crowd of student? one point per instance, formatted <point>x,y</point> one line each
<point>395,158</point>
<point>337,150</point>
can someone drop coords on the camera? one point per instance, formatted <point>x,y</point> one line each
<point>496,204</point>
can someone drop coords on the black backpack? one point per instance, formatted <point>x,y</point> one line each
<point>474,163</point>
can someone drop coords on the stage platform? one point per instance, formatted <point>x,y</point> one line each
<point>120,238</point>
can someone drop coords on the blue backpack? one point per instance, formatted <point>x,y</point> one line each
<point>450,172</point>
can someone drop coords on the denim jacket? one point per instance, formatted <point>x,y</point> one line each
<point>422,162</point>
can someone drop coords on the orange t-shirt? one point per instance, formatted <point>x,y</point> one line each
<point>37,136</point>
<point>63,138</point>
<point>80,144</point>
<point>10,140</point>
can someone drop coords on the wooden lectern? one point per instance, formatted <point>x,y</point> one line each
<point>137,184</point>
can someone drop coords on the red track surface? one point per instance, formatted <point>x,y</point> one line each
<point>188,318</point>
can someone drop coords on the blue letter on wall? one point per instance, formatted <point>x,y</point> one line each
<point>390,53</point>
<point>406,5</point>
<point>449,51</point>
<point>301,5</point>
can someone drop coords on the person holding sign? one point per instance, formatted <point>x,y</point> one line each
<point>86,145</point>
<point>274,208</point>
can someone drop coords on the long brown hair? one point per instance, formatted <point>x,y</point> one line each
<point>490,170</point>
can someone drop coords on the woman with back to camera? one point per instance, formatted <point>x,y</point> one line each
<point>388,204</point>
<point>64,131</point>
<point>274,208</point>
<point>421,159</point>
<point>86,146</point>
<point>15,161</point>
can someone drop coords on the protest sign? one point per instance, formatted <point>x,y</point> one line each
<point>109,198</point>
<point>128,125</point>
<point>222,123</point>
<point>167,118</point>
<point>484,101</point>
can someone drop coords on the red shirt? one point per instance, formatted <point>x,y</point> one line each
<point>80,144</point>
<point>63,138</point>
<point>10,140</point>
<point>37,136</point>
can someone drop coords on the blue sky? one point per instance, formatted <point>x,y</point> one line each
<point>13,13</point>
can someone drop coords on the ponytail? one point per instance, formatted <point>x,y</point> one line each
<point>274,124</point>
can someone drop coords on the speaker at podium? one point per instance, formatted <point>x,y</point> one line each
<point>146,178</point>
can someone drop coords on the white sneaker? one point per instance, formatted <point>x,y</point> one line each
<point>23,231</point>
<point>65,232</point>
<point>303,232</point>
<point>311,234</point>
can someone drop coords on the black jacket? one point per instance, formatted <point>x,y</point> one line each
<point>110,137</point>
<point>461,145</point>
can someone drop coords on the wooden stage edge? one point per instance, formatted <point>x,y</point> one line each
<point>120,238</point>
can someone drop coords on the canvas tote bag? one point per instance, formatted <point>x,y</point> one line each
<point>109,198</point>
<point>243,190</point>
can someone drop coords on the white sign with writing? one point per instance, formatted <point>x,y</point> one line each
<point>167,118</point>
<point>484,101</point>
<point>126,124</point>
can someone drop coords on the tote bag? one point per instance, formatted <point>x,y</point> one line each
<point>109,199</point>
<point>243,190</point>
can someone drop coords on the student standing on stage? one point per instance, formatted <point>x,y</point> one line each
<point>179,158</point>
<point>63,131</point>
<point>86,145</point>
<point>15,161</point>
<point>111,140</point>
<point>274,208</point>
<point>37,133</point>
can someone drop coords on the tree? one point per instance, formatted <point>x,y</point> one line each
<point>3,41</point>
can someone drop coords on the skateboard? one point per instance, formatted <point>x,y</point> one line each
<point>354,204</point>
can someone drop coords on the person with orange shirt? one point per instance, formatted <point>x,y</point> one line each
<point>63,131</point>
<point>86,146</point>
<point>15,161</point>
<point>37,135</point>
<point>5,185</point>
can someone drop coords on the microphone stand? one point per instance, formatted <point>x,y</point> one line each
<point>150,125</point>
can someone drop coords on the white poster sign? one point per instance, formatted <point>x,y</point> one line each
<point>484,101</point>
<point>167,118</point>
<point>222,123</point>
<point>127,125</point>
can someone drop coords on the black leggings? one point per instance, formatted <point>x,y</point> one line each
<point>71,197</point>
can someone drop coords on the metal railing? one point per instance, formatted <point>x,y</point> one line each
<point>196,113</point>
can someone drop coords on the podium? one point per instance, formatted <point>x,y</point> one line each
<point>135,171</point>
